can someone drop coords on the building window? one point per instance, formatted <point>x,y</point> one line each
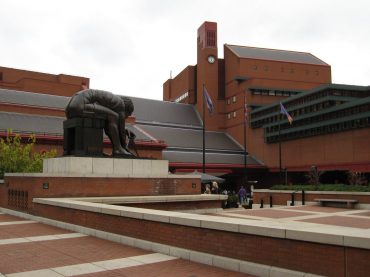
<point>228,116</point>
<point>234,114</point>
<point>234,99</point>
<point>182,97</point>
<point>228,101</point>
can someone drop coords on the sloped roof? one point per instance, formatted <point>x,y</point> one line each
<point>211,157</point>
<point>190,138</point>
<point>33,99</point>
<point>146,110</point>
<point>162,112</point>
<point>45,125</point>
<point>178,125</point>
<point>275,55</point>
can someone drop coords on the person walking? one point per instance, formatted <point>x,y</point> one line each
<point>242,193</point>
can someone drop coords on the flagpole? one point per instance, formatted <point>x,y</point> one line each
<point>204,133</point>
<point>279,148</point>
<point>245,141</point>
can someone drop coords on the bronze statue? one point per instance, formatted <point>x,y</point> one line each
<point>114,108</point>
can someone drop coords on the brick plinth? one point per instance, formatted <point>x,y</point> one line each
<point>18,191</point>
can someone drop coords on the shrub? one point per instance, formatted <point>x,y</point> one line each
<point>16,156</point>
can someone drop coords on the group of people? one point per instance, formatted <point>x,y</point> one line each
<point>213,189</point>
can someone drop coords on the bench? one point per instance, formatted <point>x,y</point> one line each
<point>350,202</point>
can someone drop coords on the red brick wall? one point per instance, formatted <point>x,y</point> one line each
<point>90,187</point>
<point>24,80</point>
<point>182,83</point>
<point>315,258</point>
<point>174,206</point>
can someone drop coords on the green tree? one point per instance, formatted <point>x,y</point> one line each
<point>16,156</point>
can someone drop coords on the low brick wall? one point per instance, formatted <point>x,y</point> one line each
<point>281,197</point>
<point>17,191</point>
<point>209,235</point>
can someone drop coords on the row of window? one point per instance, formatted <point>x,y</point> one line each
<point>231,100</point>
<point>230,115</point>
<point>270,92</point>
<point>306,99</point>
<point>322,130</point>
<point>182,97</point>
<point>302,111</point>
<point>289,70</point>
<point>323,117</point>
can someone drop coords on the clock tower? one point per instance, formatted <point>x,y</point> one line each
<point>207,71</point>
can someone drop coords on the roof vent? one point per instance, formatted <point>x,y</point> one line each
<point>211,38</point>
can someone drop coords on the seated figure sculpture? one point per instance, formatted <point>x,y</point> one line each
<point>114,108</point>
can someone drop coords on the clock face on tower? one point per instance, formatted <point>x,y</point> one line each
<point>211,59</point>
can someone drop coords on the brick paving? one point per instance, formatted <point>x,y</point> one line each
<point>308,213</point>
<point>86,256</point>
<point>345,221</point>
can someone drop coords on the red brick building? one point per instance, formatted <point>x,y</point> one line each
<point>330,130</point>
<point>331,126</point>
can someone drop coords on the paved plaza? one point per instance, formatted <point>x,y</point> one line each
<point>29,248</point>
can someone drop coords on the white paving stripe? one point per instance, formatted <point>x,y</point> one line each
<point>17,222</point>
<point>41,238</point>
<point>79,269</point>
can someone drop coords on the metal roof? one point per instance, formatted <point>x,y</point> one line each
<point>146,110</point>
<point>189,138</point>
<point>46,125</point>
<point>162,112</point>
<point>275,55</point>
<point>211,158</point>
<point>178,125</point>
<point>33,99</point>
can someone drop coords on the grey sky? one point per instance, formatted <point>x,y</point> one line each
<point>130,47</point>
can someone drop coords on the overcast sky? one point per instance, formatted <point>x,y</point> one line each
<point>129,47</point>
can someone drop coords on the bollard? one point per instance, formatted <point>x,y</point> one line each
<point>303,197</point>
<point>270,201</point>
<point>261,204</point>
<point>292,203</point>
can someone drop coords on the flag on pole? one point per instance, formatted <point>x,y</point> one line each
<point>208,100</point>
<point>284,111</point>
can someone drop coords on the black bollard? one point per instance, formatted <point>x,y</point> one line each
<point>303,197</point>
<point>261,204</point>
<point>292,203</point>
<point>270,201</point>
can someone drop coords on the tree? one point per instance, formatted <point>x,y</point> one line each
<point>313,176</point>
<point>16,156</point>
<point>356,178</point>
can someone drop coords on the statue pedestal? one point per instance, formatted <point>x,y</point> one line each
<point>95,177</point>
<point>83,136</point>
<point>114,167</point>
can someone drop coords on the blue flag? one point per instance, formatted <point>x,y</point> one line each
<point>208,100</point>
<point>284,111</point>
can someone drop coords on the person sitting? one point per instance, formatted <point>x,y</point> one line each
<point>114,108</point>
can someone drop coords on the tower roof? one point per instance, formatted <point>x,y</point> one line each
<point>275,55</point>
